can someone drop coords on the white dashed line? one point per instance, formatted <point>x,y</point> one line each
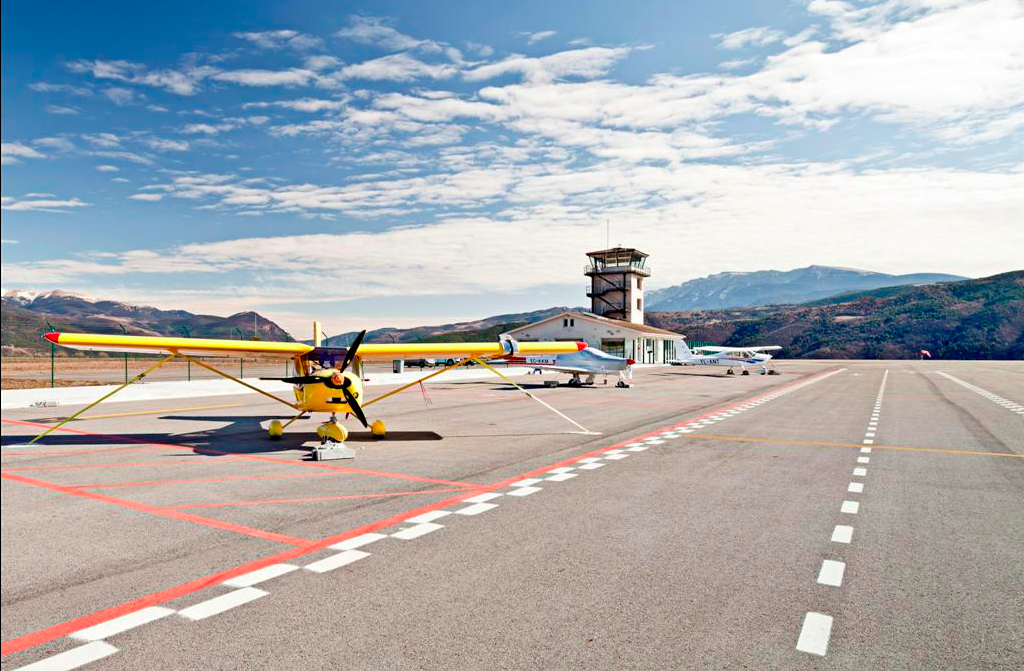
<point>850,507</point>
<point>591,466</point>
<point>482,498</point>
<point>842,534</point>
<point>831,573</point>
<point>74,658</point>
<point>416,531</point>
<point>860,472</point>
<point>1013,406</point>
<point>120,624</point>
<point>863,460</point>
<point>524,491</point>
<point>637,448</point>
<point>476,509</point>
<point>526,483</point>
<point>815,633</point>
<point>258,576</point>
<point>866,450</point>
<point>224,602</point>
<point>616,457</point>
<point>856,487</point>
<point>561,477</point>
<point>337,561</point>
<point>366,539</point>
<point>563,469</point>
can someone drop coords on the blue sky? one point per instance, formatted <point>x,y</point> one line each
<point>408,163</point>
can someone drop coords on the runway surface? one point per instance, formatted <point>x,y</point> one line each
<point>842,515</point>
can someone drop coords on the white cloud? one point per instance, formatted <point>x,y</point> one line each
<point>148,197</point>
<point>483,50</point>
<point>300,105</point>
<point>585,63</point>
<point>45,87</point>
<point>107,168</point>
<point>39,204</point>
<point>12,152</point>
<point>757,37</point>
<point>157,108</point>
<point>208,128</point>
<point>290,77</point>
<point>534,37</point>
<point>396,67</point>
<point>61,110</point>
<point>119,95</point>
<point>279,39</point>
<point>166,144</point>
<point>375,31</point>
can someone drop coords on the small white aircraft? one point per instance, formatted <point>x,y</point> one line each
<point>589,362</point>
<point>727,357</point>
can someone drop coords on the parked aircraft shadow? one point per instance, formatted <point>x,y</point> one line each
<point>241,435</point>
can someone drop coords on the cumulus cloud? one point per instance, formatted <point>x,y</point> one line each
<point>107,168</point>
<point>279,39</point>
<point>300,105</point>
<point>37,204</point>
<point>13,152</point>
<point>397,67</point>
<point>535,37</point>
<point>757,37</point>
<point>376,32</point>
<point>585,63</point>
<point>289,77</point>
<point>148,197</point>
<point>46,87</point>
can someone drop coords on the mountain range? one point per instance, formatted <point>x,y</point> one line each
<point>25,315</point>
<point>773,287</point>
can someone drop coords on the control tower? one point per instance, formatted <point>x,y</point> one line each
<point>617,283</point>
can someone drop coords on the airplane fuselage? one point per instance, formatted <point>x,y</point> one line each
<point>324,398</point>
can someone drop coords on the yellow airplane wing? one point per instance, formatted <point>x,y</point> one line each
<point>462,350</point>
<point>99,342</point>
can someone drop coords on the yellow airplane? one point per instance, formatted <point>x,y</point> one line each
<point>327,379</point>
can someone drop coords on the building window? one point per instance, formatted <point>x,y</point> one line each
<point>639,283</point>
<point>572,322</point>
<point>639,304</point>
<point>565,323</point>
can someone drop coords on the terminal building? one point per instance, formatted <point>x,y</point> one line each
<point>615,322</point>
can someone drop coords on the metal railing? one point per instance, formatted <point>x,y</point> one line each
<point>591,269</point>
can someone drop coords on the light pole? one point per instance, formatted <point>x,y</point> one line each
<point>125,331</point>
<point>188,334</point>
<point>241,360</point>
<point>53,353</point>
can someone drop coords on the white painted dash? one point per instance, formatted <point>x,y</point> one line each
<point>561,477</point>
<point>224,602</point>
<point>118,624</point>
<point>863,460</point>
<point>866,450</point>
<point>831,573</point>
<point>524,491</point>
<point>416,531</point>
<point>856,487</point>
<point>366,539</point>
<point>476,509</point>
<point>638,448</point>
<point>337,561</point>
<point>815,633</point>
<point>74,658</point>
<point>850,507</point>
<point>616,457</point>
<point>842,533</point>
<point>562,469</point>
<point>591,466</point>
<point>482,498</point>
<point>528,482</point>
<point>860,472</point>
<point>260,575</point>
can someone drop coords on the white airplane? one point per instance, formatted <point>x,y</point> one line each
<point>727,357</point>
<point>589,362</point>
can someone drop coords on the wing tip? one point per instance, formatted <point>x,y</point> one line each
<point>53,337</point>
<point>580,346</point>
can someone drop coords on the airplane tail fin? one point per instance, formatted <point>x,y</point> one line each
<point>683,350</point>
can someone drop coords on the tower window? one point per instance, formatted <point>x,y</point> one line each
<point>639,304</point>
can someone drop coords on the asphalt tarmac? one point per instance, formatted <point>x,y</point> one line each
<point>841,515</point>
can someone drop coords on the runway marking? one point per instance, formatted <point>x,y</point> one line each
<point>616,457</point>
<point>1013,406</point>
<point>72,659</point>
<point>427,517</point>
<point>416,531</point>
<point>638,448</point>
<point>591,466</point>
<point>561,477</point>
<point>860,472</point>
<point>814,634</point>
<point>482,498</point>
<point>831,573</point>
<point>563,469</point>
<point>253,578</point>
<point>850,507</point>
<point>842,534</point>
<point>524,491</point>
<point>476,508</point>
<point>337,561</point>
<point>310,499</point>
<point>525,483</point>
<point>863,460</point>
<point>856,487</point>
<point>367,539</point>
<point>150,412</point>
<point>156,510</point>
<point>865,450</point>
<point>191,481</point>
<point>222,603</point>
<point>120,624</point>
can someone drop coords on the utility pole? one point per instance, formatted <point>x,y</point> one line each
<point>241,360</point>
<point>188,334</point>
<point>125,331</point>
<point>53,353</point>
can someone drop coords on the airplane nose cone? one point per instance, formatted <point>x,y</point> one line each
<point>630,362</point>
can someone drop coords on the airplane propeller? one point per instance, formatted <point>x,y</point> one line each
<point>336,381</point>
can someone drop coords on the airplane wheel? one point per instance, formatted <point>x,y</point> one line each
<point>275,430</point>
<point>377,429</point>
<point>332,431</point>
<point>772,372</point>
<point>729,372</point>
<point>746,372</point>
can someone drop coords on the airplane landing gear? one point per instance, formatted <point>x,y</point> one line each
<point>745,372</point>
<point>275,430</point>
<point>730,372</point>
<point>773,372</point>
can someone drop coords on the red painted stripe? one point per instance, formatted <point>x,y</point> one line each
<point>306,499</point>
<point>162,512</point>
<point>163,596</point>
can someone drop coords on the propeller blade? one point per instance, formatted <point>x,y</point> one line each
<point>301,379</point>
<point>352,403</point>
<point>350,353</point>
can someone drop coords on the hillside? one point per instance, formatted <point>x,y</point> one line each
<point>973,319</point>
<point>488,328</point>
<point>771,287</point>
<point>25,316</point>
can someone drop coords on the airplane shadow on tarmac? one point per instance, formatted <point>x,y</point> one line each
<point>241,435</point>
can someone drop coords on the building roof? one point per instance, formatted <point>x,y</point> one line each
<point>616,323</point>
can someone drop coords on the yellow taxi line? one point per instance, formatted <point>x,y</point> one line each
<point>154,412</point>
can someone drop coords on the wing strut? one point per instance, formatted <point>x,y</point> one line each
<point>235,379</point>
<point>415,382</point>
<point>104,397</point>
<point>584,429</point>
